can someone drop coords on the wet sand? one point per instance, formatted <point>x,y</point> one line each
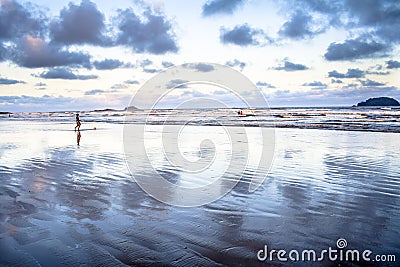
<point>63,204</point>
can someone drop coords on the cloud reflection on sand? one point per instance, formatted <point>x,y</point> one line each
<point>64,205</point>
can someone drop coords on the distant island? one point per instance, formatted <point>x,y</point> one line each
<point>131,108</point>
<point>379,101</point>
<point>106,110</point>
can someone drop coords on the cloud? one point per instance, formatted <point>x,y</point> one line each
<point>51,103</point>
<point>144,63</point>
<point>94,92</point>
<point>203,67</point>
<point>150,70</point>
<point>3,52</point>
<point>381,17</point>
<point>243,35</point>
<point>315,84</point>
<point>236,63</point>
<point>131,82</point>
<point>17,20</point>
<point>393,64</point>
<point>264,84</point>
<point>353,49</point>
<point>351,73</point>
<point>353,91</point>
<point>119,86</point>
<point>167,64</point>
<point>21,103</point>
<point>177,83</point>
<point>64,73</point>
<point>215,7</point>
<point>298,26</point>
<point>377,70</point>
<point>5,81</point>
<point>329,7</point>
<point>151,32</point>
<point>108,64</point>
<point>336,81</point>
<point>33,52</point>
<point>83,24</point>
<point>23,29</point>
<point>371,83</point>
<point>289,66</point>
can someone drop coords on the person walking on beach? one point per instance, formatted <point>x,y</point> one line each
<point>78,122</point>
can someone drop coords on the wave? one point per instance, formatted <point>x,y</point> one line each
<point>351,119</point>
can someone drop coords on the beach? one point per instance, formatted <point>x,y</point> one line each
<point>69,204</point>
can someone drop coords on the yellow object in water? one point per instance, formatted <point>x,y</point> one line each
<point>94,128</point>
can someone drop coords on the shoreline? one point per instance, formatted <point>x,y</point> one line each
<point>352,127</point>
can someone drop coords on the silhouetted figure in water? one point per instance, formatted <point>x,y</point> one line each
<point>78,137</point>
<point>78,122</point>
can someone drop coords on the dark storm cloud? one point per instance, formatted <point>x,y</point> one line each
<point>236,63</point>
<point>94,92</point>
<point>22,27</point>
<point>108,64</point>
<point>152,34</point>
<point>353,49</point>
<point>393,64</point>
<point>215,7</point>
<point>64,73</point>
<point>351,73</point>
<point>17,20</point>
<point>381,16</point>
<point>322,6</point>
<point>371,83</point>
<point>79,25</point>
<point>9,81</point>
<point>290,66</point>
<point>315,84</point>
<point>33,52</point>
<point>298,26</point>
<point>379,21</point>
<point>3,52</point>
<point>243,35</point>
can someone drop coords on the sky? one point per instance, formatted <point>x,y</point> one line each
<point>84,55</point>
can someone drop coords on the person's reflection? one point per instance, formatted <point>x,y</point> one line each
<point>78,138</point>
